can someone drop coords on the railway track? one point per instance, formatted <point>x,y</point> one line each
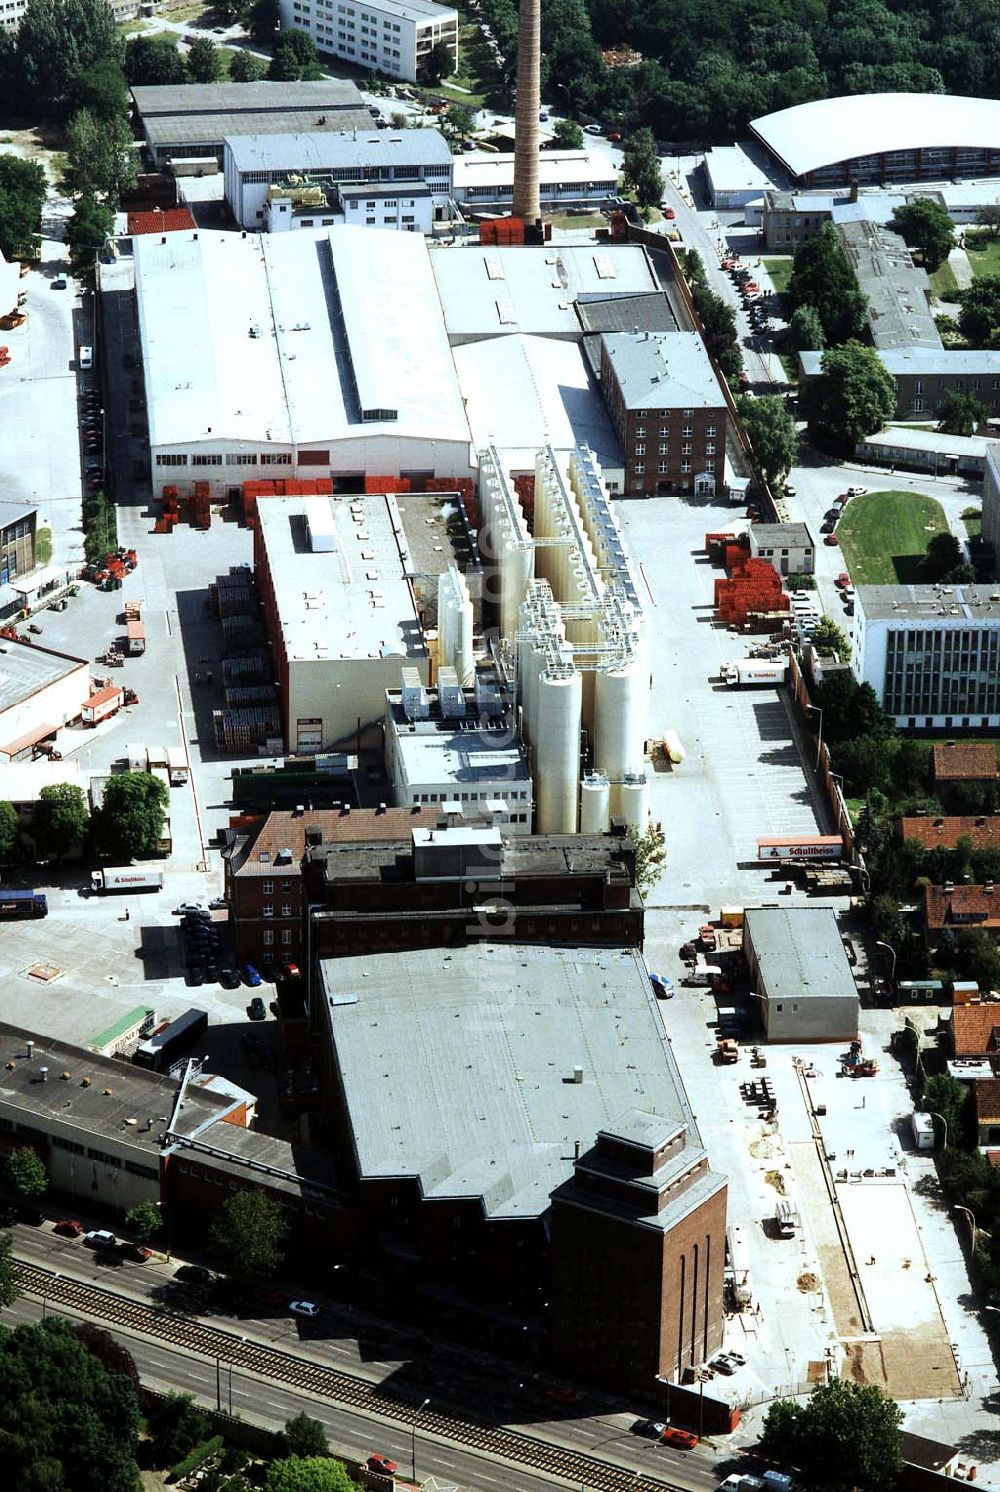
<point>338,1387</point>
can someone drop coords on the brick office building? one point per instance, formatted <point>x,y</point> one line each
<point>406,878</point>
<point>668,411</point>
<point>523,1155</point>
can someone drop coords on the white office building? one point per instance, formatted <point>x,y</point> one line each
<point>394,37</point>
<point>375,179</point>
<point>931,653</point>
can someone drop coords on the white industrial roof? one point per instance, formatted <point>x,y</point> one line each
<point>522,393</point>
<point>22,782</point>
<point>490,292</point>
<point>349,601</point>
<point>810,136</point>
<point>729,168</point>
<point>321,151</point>
<point>481,169</point>
<point>276,338</point>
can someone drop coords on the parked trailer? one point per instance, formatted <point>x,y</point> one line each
<point>808,847</point>
<point>15,906</point>
<point>156,756</point>
<point>754,673</point>
<point>177,765</point>
<point>136,633</point>
<point>738,1264</point>
<point>126,878</point>
<point>102,704</point>
<point>162,1049</point>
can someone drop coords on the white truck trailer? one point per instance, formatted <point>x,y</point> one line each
<point>754,673</point>
<point>126,878</point>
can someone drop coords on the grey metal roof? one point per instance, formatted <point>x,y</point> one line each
<point>781,536</point>
<point>626,313</point>
<point>305,151</point>
<point>457,1064</point>
<point>12,512</point>
<point>799,952</point>
<point>899,313</point>
<point>663,369</point>
<point>266,96</point>
<point>930,603</point>
<point>25,669</point>
<point>922,362</point>
<point>212,128</point>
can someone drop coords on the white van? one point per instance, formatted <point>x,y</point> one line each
<point>86,357</point>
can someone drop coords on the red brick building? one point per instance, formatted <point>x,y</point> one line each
<point>961,907</point>
<point>668,411</point>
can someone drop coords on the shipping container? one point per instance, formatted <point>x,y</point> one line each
<point>177,765</point>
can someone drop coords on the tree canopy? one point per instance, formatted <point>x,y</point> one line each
<point>10,827</point>
<point>295,58</point>
<point>144,1222</point>
<point>308,1474</point>
<point>22,192</point>
<point>828,637</point>
<point>154,59</point>
<point>945,560</point>
<point>850,709</point>
<point>204,61</point>
<point>925,225</point>
<point>823,280</point>
<point>59,821</point>
<point>641,168</point>
<point>9,1288</point>
<point>25,1173</point>
<point>960,413</point>
<point>844,1438</point>
<point>57,42</point>
<point>305,1436</point>
<point>245,67</point>
<point>130,819</point>
<point>979,316</point>
<point>853,396</point>
<point>772,434</point>
<point>87,229</point>
<point>176,1425</point>
<point>249,1235</point>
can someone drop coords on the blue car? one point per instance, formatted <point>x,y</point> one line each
<point>251,976</point>
<point>663,988</point>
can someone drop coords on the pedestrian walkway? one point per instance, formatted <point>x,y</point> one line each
<point>958,261</point>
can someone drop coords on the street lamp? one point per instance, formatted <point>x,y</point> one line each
<point>972,1221</point>
<point>935,1115</point>
<point>666,1384</point>
<point>819,739</point>
<point>413,1440</point>
<point>892,970</point>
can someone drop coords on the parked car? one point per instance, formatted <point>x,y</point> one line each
<point>217,904</point>
<point>135,1251</point>
<point>592,129</point>
<point>195,1274</point>
<point>304,1308</point>
<point>843,579</point>
<point>831,539</point>
<point>385,1464</point>
<point>650,1428</point>
<point>59,283</point>
<point>684,1440</point>
<point>722,1364</point>
<point>827,527</point>
<point>663,988</point>
<point>229,977</point>
<point>100,1238</point>
<point>251,976</point>
<point>188,906</point>
<point>562,1395</point>
<point>290,969</point>
<point>857,491</point>
<point>67,1228</point>
<point>256,1010</point>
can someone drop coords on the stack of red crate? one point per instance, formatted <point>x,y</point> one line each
<point>753,585</point>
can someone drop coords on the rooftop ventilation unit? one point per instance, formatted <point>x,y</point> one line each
<point>416,705</point>
<point>450,695</point>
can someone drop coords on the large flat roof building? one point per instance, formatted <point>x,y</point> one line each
<point>527,1095</point>
<point>393,37</point>
<point>339,611</point>
<point>931,653</point>
<point>801,974</point>
<point>305,354</point>
<point>880,137</point>
<point>192,120</point>
<point>40,691</point>
<point>897,291</point>
<point>566,178</point>
<point>924,376</point>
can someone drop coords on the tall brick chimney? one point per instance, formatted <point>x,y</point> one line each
<point>529,51</point>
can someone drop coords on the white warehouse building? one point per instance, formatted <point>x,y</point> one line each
<point>931,653</point>
<point>311,354</point>
<point>395,37</point>
<point>378,179</point>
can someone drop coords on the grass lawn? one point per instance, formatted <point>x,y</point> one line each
<point>780,271</point>
<point>943,283</point>
<point>589,220</point>
<point>973,520</point>
<point>884,536</point>
<point>984,253</point>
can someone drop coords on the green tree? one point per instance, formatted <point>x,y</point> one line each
<point>961,414</point>
<point>144,1222</point>
<point>295,58</point>
<point>924,225</point>
<point>947,1097</point>
<point>850,709</point>
<point>305,1437</point>
<point>10,827</point>
<point>102,158</point>
<point>844,1438</point>
<point>308,1474</point>
<point>57,41</point>
<point>261,18</point>
<point>247,68</point>
<point>944,555</point>
<point>979,316</point>
<point>22,192</point>
<point>249,1233</point>
<point>9,1288</point>
<point>830,638</point>
<point>978,957</point>
<point>772,434</point>
<point>853,396</point>
<point>650,855</point>
<point>59,822</point>
<point>439,62</point>
<point>25,1174</point>
<point>130,819</point>
<point>805,330</point>
<point>567,134</point>
<point>718,320</point>
<point>176,1425</point>
<point>988,217</point>
<point>89,227</point>
<point>641,168</point>
<point>823,279</point>
<point>154,60</point>
<point>460,120</point>
<point>204,61</point>
<point>101,88</point>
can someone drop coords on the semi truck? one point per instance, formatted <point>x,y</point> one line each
<point>15,906</point>
<point>754,673</point>
<point>177,765</point>
<point>102,704</point>
<point>126,878</point>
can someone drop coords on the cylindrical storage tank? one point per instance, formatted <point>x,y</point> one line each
<point>557,752</point>
<point>633,802</point>
<point>621,705</point>
<point>674,747</point>
<point>461,658</point>
<point>515,577</point>
<point>595,804</point>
